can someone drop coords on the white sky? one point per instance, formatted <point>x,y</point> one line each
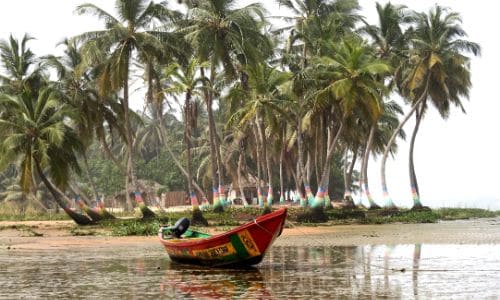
<point>457,161</point>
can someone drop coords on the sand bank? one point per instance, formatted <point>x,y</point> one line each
<point>57,235</point>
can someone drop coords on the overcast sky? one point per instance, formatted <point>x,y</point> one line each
<point>457,160</point>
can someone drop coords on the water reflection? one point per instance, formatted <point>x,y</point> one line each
<point>202,283</point>
<point>371,271</point>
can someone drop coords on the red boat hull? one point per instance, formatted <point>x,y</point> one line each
<point>245,245</point>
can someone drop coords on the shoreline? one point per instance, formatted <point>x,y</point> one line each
<point>56,235</point>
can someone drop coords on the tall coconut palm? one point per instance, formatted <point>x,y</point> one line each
<point>350,77</point>
<point>313,24</point>
<point>124,34</point>
<point>35,136</point>
<point>390,43</point>
<point>437,69</point>
<point>186,81</point>
<point>263,107</point>
<point>224,36</point>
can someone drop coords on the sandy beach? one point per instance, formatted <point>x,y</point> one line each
<point>57,235</point>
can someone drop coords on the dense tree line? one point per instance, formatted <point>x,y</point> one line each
<point>298,107</point>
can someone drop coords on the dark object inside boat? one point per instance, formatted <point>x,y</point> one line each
<point>180,227</point>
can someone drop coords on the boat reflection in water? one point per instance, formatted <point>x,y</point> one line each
<point>181,281</point>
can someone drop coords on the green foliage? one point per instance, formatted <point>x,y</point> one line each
<point>163,170</point>
<point>401,217</point>
<point>465,213</point>
<point>106,175</point>
<point>134,227</point>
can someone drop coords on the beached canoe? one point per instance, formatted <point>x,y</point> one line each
<point>245,245</point>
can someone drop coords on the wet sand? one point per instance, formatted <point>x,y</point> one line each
<point>57,235</point>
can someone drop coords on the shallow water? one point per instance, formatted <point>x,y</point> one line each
<point>400,271</point>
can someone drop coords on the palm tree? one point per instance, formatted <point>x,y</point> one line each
<point>437,69</point>
<point>187,81</point>
<point>315,23</point>
<point>390,42</point>
<point>23,75</point>
<point>224,36</point>
<point>118,41</point>
<point>36,137</point>
<point>351,81</point>
<point>19,62</point>
<point>262,108</point>
<point>79,93</point>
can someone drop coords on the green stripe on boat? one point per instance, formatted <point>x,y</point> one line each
<point>238,245</point>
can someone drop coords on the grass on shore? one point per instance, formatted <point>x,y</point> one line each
<point>236,216</point>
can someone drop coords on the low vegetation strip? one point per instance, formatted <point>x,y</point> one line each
<point>131,226</point>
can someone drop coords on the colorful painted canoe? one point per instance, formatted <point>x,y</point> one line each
<point>245,245</point>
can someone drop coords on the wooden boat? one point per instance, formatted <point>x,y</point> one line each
<point>245,245</point>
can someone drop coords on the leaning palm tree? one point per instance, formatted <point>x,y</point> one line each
<point>35,136</point>
<point>123,36</point>
<point>23,74</point>
<point>79,93</point>
<point>437,70</point>
<point>390,42</point>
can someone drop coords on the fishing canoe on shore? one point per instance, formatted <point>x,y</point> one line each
<point>245,245</point>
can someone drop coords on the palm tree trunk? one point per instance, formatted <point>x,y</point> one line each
<point>300,146</point>
<point>282,157</point>
<point>393,138</point>
<point>211,120</point>
<point>364,170</point>
<point>348,170</point>
<point>84,205</point>
<point>78,218</point>
<point>130,177</point>
<point>187,140</point>
<point>317,148</point>
<point>266,158</point>
<point>323,184</point>
<point>413,177</point>
<point>258,162</point>
<point>197,215</point>
<point>351,167</point>
<point>213,156</point>
<point>240,182</point>
<point>298,182</point>
<point>128,140</point>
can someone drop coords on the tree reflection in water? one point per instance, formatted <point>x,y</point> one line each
<point>371,271</point>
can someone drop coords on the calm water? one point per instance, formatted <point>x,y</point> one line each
<point>420,271</point>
